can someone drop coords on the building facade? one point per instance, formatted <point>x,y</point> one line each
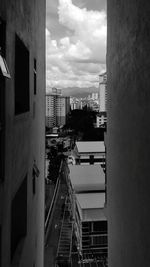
<point>128,127</point>
<point>22,108</point>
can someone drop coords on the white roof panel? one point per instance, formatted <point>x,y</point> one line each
<point>90,147</point>
<point>87,177</point>
<point>91,200</point>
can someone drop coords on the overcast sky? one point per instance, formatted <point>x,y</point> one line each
<point>75,43</point>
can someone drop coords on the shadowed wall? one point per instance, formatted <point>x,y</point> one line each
<point>128,139</point>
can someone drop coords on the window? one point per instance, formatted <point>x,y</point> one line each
<point>91,159</point>
<point>99,234</point>
<point>19,218</point>
<point>100,226</point>
<point>78,161</point>
<point>2,101</point>
<point>35,74</point>
<point>100,240</point>
<point>33,185</point>
<point>84,160</point>
<point>21,77</point>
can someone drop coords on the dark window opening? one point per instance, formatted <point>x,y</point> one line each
<point>100,241</point>
<point>33,185</point>
<point>35,76</point>
<point>98,160</point>
<point>78,161</point>
<point>19,217</point>
<point>2,101</point>
<point>86,227</point>
<point>100,226</point>
<point>84,160</point>
<point>91,159</point>
<point>22,101</point>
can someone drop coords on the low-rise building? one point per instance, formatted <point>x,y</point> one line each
<point>88,191</point>
<point>90,152</point>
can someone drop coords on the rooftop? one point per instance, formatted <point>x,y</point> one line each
<point>91,206</point>
<point>87,178</point>
<point>90,147</point>
<point>91,200</point>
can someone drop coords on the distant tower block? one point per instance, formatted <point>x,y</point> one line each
<point>57,108</point>
<point>102,92</point>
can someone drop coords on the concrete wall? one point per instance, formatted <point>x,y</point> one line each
<point>128,140</point>
<point>24,133</point>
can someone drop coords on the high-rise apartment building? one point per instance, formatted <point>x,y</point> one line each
<point>22,109</point>
<point>102,116</point>
<point>102,92</point>
<point>57,109</point>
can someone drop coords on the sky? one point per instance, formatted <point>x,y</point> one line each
<point>75,44</point>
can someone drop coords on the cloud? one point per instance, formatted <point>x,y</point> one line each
<point>89,28</point>
<point>77,59</point>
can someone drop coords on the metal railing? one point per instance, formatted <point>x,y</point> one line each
<point>65,239</point>
<point>53,203</point>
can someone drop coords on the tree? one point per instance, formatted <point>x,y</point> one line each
<point>81,120</point>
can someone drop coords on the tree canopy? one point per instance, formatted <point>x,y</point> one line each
<point>82,121</point>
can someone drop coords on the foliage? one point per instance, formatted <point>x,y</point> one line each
<point>54,164</point>
<point>82,124</point>
<point>81,120</point>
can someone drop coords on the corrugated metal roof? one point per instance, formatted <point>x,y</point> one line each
<point>87,177</point>
<point>91,200</point>
<point>90,147</point>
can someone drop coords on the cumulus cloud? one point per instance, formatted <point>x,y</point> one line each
<point>78,59</point>
<point>89,29</point>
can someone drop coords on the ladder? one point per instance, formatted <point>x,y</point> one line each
<point>63,257</point>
